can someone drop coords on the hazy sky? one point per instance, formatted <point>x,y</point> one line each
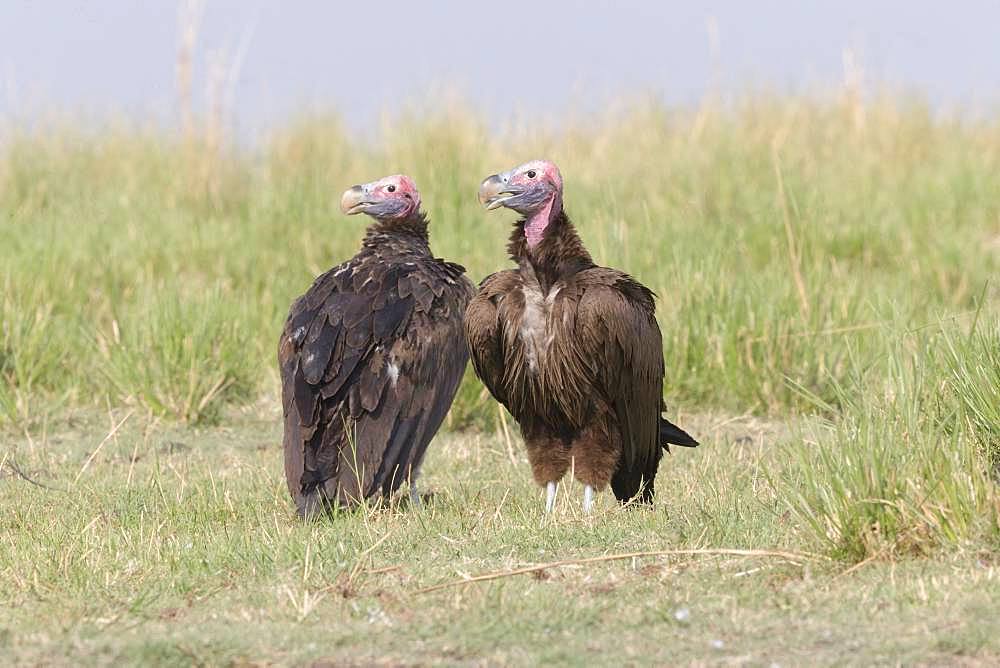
<point>118,56</point>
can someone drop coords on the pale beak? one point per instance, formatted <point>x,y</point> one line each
<point>355,200</point>
<point>496,190</point>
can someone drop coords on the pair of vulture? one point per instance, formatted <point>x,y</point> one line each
<point>372,354</point>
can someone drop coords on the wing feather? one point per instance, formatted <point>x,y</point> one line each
<point>618,332</point>
<point>435,363</point>
<point>484,332</point>
<point>370,359</point>
<point>316,360</point>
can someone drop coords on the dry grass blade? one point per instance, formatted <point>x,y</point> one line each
<point>114,430</point>
<point>794,557</point>
<point>794,250</point>
<point>358,563</point>
<point>508,441</point>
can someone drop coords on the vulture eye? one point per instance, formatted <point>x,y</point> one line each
<point>391,188</point>
<point>530,174</point>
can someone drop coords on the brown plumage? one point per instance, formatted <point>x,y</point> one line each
<point>371,357</point>
<point>571,349</point>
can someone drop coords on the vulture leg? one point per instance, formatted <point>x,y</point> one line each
<point>414,494</point>
<point>588,499</point>
<point>550,497</point>
<point>310,506</point>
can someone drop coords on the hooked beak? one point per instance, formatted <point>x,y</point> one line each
<point>496,190</point>
<point>355,200</point>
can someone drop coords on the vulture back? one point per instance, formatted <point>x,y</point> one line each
<point>370,358</point>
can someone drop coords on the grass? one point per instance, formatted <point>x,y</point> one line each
<point>780,236</point>
<point>180,358</point>
<point>178,546</point>
<point>831,322</point>
<point>905,469</point>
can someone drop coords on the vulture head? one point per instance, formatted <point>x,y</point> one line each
<point>533,189</point>
<point>390,198</point>
<point>526,189</point>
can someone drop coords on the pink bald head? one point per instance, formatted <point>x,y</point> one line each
<point>525,189</point>
<point>537,171</point>
<point>390,198</point>
<point>533,189</point>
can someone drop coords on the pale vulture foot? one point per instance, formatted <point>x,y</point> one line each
<point>550,497</point>
<point>588,499</point>
<point>414,495</point>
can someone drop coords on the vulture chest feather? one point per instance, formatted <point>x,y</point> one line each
<point>544,376</point>
<point>537,331</point>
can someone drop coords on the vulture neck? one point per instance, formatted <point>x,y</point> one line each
<point>557,255</point>
<point>412,228</point>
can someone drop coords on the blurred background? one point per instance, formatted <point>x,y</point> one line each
<point>259,62</point>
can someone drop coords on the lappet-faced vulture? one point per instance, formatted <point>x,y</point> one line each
<point>571,349</point>
<point>371,357</point>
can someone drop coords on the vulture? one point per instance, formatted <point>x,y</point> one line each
<point>570,348</point>
<point>371,357</point>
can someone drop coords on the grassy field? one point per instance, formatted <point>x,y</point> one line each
<point>829,283</point>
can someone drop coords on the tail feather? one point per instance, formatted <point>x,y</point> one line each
<point>672,434</point>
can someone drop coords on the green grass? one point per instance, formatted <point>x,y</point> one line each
<point>780,237</point>
<point>182,358</point>
<point>830,305</point>
<point>178,545</point>
<point>907,467</point>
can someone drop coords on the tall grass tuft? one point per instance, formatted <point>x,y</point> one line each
<point>34,342</point>
<point>974,365</point>
<point>899,471</point>
<point>180,358</point>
